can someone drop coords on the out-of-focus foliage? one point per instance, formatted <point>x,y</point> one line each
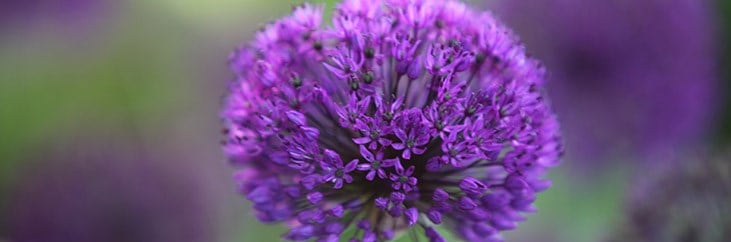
<point>688,202</point>
<point>724,134</point>
<point>109,187</point>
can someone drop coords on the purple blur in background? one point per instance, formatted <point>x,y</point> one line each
<point>76,12</point>
<point>687,202</point>
<point>629,79</point>
<point>111,190</point>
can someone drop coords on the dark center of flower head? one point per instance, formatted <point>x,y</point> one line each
<point>370,52</point>
<point>388,116</point>
<point>375,134</point>
<point>384,129</point>
<point>376,165</point>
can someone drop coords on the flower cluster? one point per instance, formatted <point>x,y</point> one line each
<point>404,115</point>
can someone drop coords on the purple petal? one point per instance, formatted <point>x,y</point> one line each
<point>397,197</point>
<point>364,167</point>
<point>314,197</point>
<point>362,140</point>
<point>466,203</point>
<point>399,168</point>
<point>366,154</point>
<point>381,174</point>
<point>369,236</point>
<point>412,214</point>
<point>418,150</point>
<point>412,181</point>
<point>389,162</point>
<point>334,158</point>
<point>337,211</point>
<point>393,177</point>
<point>396,186</point>
<point>310,181</point>
<point>440,195</point>
<point>435,216</point>
<point>296,117</point>
<point>338,183</point>
<point>381,202</point>
<point>472,186</point>
<point>373,145</point>
<point>348,178</point>
<point>385,142</point>
<point>410,170</point>
<point>351,166</point>
<point>406,154</point>
<point>371,175</point>
<point>401,134</point>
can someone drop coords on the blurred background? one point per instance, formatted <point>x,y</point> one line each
<point>109,126</point>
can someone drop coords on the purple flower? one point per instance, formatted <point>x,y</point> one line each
<point>437,107</point>
<point>412,215</point>
<point>353,111</point>
<point>403,178</point>
<point>374,131</point>
<point>629,78</point>
<point>411,132</point>
<point>386,111</point>
<point>334,171</point>
<point>376,164</point>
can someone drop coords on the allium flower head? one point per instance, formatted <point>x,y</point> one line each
<point>401,116</point>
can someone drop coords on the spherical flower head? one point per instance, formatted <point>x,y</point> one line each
<point>404,115</point>
<point>629,78</point>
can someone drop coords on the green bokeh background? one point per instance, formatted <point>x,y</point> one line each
<point>157,69</point>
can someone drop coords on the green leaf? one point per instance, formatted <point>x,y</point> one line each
<point>413,234</point>
<point>348,233</point>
